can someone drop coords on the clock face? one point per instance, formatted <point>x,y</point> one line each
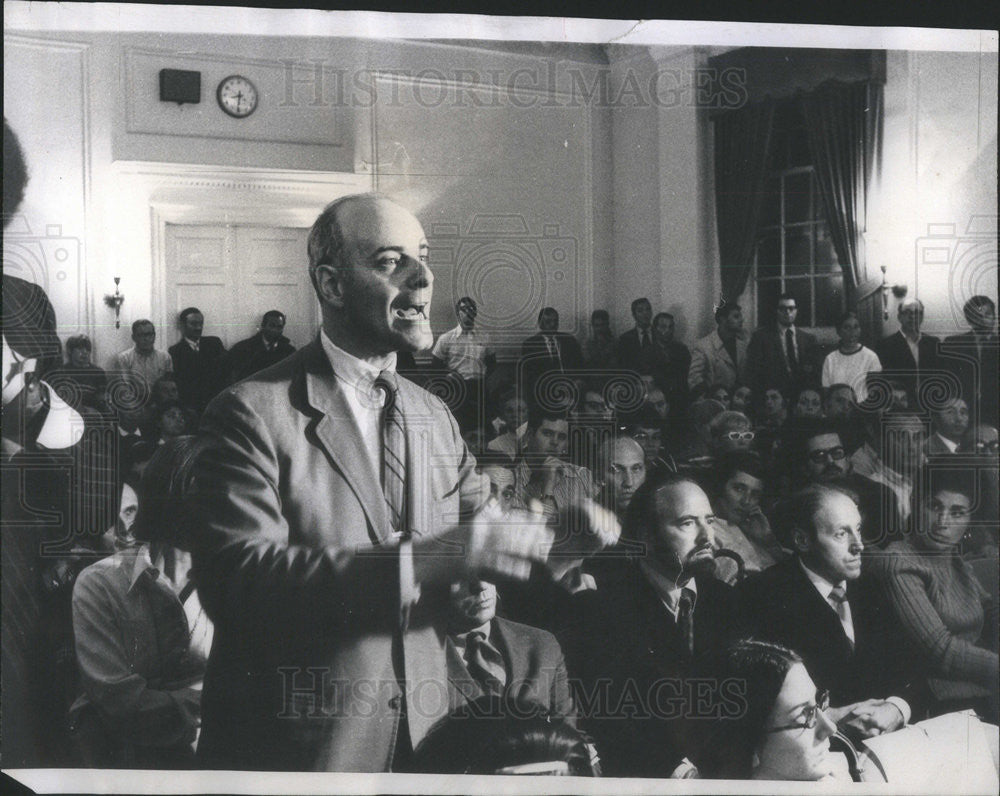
<point>237,96</point>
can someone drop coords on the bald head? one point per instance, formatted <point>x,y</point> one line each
<point>368,262</point>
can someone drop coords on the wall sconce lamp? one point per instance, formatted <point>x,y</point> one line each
<point>898,291</point>
<point>115,302</point>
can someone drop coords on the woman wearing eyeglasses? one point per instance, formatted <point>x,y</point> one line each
<point>772,724</point>
<point>947,620</point>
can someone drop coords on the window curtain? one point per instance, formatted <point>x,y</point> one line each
<point>844,123</point>
<point>742,143</point>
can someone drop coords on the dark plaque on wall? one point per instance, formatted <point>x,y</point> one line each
<point>180,86</point>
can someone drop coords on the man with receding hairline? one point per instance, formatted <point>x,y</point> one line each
<point>336,503</point>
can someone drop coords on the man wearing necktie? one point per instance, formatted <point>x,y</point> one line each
<point>199,361</point>
<point>781,357</point>
<point>268,347</point>
<point>816,604</point>
<point>548,352</point>
<point>636,340</point>
<point>641,640</point>
<point>336,504</point>
<point>489,655</point>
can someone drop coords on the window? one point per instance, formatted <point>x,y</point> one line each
<point>794,251</point>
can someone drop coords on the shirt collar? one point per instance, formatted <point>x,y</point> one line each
<point>666,588</point>
<point>459,329</point>
<point>140,563</point>
<point>460,639</point>
<point>194,345</point>
<point>951,446</point>
<point>355,372</point>
<point>821,584</point>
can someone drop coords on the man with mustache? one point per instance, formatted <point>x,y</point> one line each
<point>815,604</point>
<point>645,634</point>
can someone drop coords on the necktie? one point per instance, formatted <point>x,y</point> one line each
<point>793,364</point>
<point>485,663</point>
<point>838,596</point>
<point>685,618</point>
<point>645,339</point>
<point>393,453</point>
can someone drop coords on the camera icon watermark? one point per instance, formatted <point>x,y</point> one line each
<point>966,262</point>
<point>41,259</point>
<point>509,268</point>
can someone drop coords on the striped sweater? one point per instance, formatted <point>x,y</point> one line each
<point>939,606</point>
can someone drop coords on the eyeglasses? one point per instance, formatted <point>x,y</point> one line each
<point>833,454</point>
<point>739,436</point>
<point>987,446</point>
<point>810,714</point>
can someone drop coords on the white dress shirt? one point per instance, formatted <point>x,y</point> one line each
<point>824,587</point>
<point>667,590</point>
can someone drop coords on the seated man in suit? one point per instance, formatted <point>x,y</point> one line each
<point>335,506</point>
<point>549,351</point>
<point>489,655</point>
<point>908,356</point>
<point>720,357</point>
<point>268,347</point>
<point>949,423</point>
<point>814,604</point>
<point>973,357</point>
<point>199,362</point>
<point>648,629</point>
<point>637,339</point>
<point>781,355</point>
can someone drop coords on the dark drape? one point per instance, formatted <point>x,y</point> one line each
<point>742,141</point>
<point>844,122</point>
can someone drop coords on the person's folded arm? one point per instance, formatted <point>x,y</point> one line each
<point>134,711</point>
<point>905,586</point>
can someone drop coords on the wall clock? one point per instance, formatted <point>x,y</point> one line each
<point>237,96</point>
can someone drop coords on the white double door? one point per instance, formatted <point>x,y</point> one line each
<point>235,273</point>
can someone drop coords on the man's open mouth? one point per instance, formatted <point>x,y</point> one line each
<point>411,312</point>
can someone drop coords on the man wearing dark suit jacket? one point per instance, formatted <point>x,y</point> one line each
<point>636,340</point>
<point>652,624</point>
<point>331,517</point>
<point>815,604</point>
<point>973,356</point>
<point>781,356</point>
<point>268,347</point>
<point>549,351</point>
<point>491,655</point>
<point>198,361</point>
<point>908,356</point>
<point>668,362</point>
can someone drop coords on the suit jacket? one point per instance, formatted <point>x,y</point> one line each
<point>296,566</point>
<point>200,374</point>
<point>251,355</point>
<point>782,605</point>
<point>670,370</point>
<point>533,660</point>
<point>766,366</point>
<point>630,349</point>
<point>536,361</point>
<point>898,364</point>
<point>631,668</point>
<point>711,363</point>
<point>974,361</point>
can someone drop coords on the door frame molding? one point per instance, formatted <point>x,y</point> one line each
<point>186,193</point>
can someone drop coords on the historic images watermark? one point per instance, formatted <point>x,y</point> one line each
<point>556,84</point>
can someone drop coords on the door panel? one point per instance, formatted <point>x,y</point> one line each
<point>234,274</point>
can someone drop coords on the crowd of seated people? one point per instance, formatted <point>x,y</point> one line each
<point>817,527</point>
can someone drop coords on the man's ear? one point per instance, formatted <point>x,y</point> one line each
<point>329,281</point>
<point>800,540</point>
